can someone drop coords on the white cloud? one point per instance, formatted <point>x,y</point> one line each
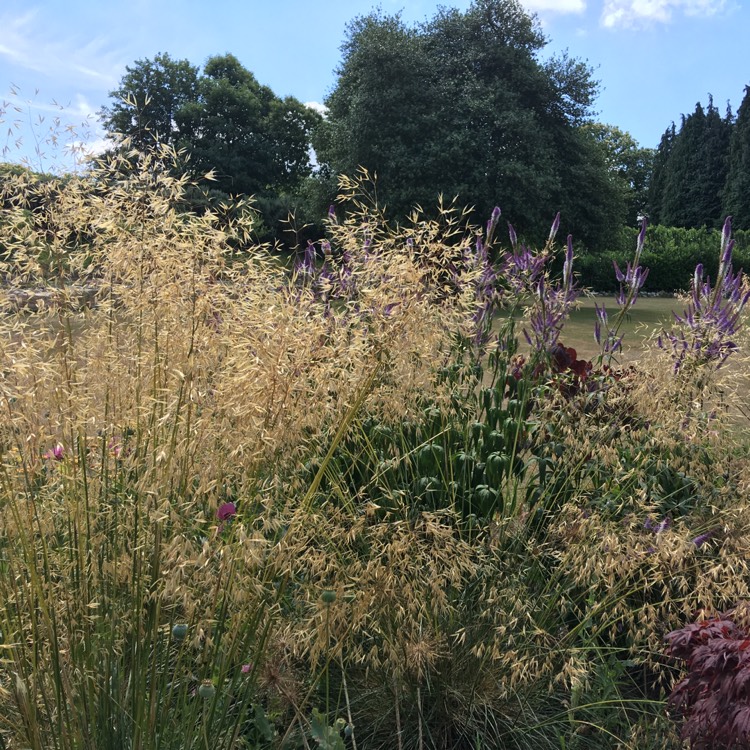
<point>318,107</point>
<point>558,6</point>
<point>638,12</point>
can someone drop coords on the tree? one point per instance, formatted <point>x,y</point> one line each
<point>696,170</point>
<point>254,142</point>
<point>628,165</point>
<point>150,95</point>
<point>736,194</point>
<point>659,175</point>
<point>461,105</point>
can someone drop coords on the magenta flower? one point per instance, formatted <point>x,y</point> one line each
<point>226,511</point>
<point>247,668</point>
<point>56,454</point>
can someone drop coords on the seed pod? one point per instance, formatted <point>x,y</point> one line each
<point>207,690</point>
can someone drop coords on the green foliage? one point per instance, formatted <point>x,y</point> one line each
<point>250,141</point>
<point>253,141</point>
<point>736,198</point>
<point>691,170</point>
<point>670,253</point>
<point>150,95</point>
<point>629,165</point>
<point>462,105</point>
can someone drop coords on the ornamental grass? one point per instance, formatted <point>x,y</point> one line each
<point>338,505</point>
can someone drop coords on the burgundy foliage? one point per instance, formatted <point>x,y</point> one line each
<point>713,700</point>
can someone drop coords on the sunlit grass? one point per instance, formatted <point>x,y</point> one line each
<point>249,505</point>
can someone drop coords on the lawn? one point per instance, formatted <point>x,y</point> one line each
<point>648,315</point>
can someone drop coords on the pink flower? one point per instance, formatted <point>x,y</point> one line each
<point>226,511</point>
<point>246,668</point>
<point>56,453</point>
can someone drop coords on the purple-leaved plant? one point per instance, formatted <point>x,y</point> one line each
<point>704,333</point>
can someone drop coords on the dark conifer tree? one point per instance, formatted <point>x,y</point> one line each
<point>696,169</point>
<point>736,196</point>
<point>659,175</point>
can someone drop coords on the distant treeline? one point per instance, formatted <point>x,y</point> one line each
<point>462,106</point>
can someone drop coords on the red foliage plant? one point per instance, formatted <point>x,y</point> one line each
<point>713,699</point>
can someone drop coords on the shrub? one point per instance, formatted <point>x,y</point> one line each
<point>713,698</point>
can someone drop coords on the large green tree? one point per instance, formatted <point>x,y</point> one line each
<point>629,165</point>
<point>254,141</point>
<point>736,196</point>
<point>463,105</point>
<point>146,104</point>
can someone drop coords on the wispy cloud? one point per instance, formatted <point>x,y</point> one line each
<point>639,12</point>
<point>558,6</point>
<point>30,44</point>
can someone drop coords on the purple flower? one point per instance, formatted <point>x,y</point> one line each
<point>659,526</point>
<point>631,283</point>
<point>306,266</point>
<point>547,303</point>
<point>701,539</point>
<point>492,223</point>
<point>703,333</point>
<point>247,668</point>
<point>226,511</point>
<point>512,235</point>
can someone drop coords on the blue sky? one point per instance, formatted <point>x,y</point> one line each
<point>655,58</point>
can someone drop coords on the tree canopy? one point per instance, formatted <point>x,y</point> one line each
<point>463,105</point>
<point>254,141</point>
<point>736,195</point>
<point>146,103</point>
<point>690,170</point>
<point>629,165</point>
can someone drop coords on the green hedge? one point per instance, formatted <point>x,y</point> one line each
<point>670,253</point>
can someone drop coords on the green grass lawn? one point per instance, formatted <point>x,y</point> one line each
<point>646,317</point>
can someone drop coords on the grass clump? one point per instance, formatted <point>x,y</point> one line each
<point>335,505</point>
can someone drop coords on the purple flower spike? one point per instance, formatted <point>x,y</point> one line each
<point>513,236</point>
<point>726,233</point>
<point>703,333</point>
<point>226,511</point>
<point>701,539</point>
<point>332,213</point>
<point>568,265</point>
<point>555,226</point>
<point>641,237</point>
